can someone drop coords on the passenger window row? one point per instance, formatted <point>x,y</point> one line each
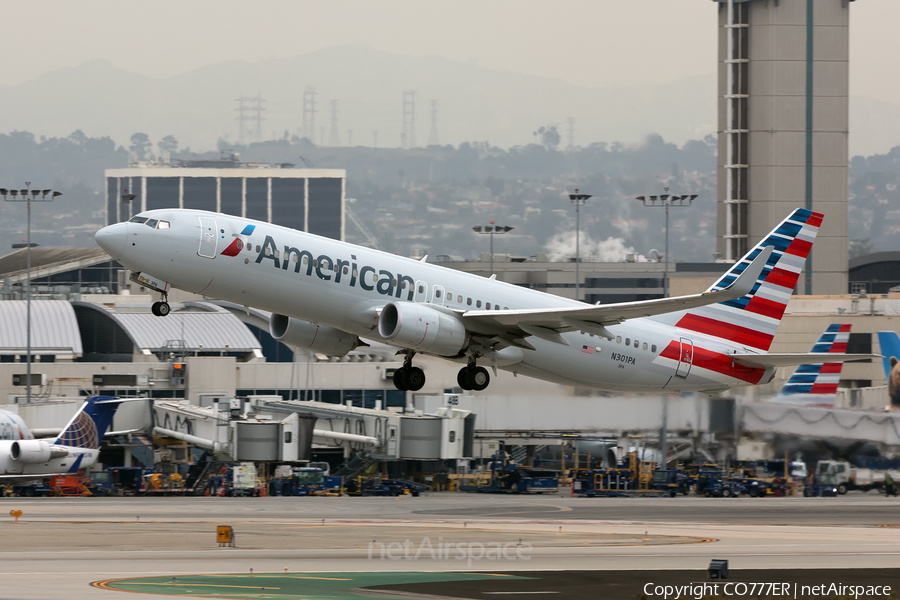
<point>459,300</point>
<point>637,344</point>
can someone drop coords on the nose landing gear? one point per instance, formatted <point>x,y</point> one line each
<point>408,377</point>
<point>161,309</point>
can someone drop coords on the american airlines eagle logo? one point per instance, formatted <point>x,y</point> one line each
<point>237,244</point>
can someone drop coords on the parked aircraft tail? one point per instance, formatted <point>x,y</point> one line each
<point>87,427</point>
<point>817,384</point>
<point>890,350</point>
<point>752,320</point>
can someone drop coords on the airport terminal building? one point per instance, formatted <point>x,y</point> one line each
<point>310,200</point>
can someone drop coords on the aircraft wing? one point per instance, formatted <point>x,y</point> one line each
<point>791,360</point>
<point>547,323</point>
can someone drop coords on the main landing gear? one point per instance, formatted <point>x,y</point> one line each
<point>408,377</point>
<point>161,309</point>
<point>472,377</point>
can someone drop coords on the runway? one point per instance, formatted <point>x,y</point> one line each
<point>68,543</point>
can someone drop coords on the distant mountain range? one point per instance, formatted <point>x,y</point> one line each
<point>474,103</point>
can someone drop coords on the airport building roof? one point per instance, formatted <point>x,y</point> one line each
<point>198,326</point>
<point>54,328</point>
<point>46,262</point>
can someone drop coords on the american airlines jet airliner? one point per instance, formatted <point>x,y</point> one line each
<point>328,296</point>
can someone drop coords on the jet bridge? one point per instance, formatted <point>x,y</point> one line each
<point>269,428</point>
<point>446,433</point>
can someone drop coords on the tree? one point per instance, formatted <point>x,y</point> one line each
<point>549,137</point>
<point>495,184</point>
<point>140,145</point>
<point>167,144</point>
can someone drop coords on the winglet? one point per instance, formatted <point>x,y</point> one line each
<point>743,285</point>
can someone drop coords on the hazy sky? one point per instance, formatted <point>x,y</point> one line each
<point>597,43</point>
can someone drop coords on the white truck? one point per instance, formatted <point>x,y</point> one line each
<point>244,479</point>
<point>847,477</point>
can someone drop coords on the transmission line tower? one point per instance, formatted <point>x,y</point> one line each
<point>258,110</point>
<point>241,119</point>
<point>334,138</point>
<point>252,111</point>
<point>433,134</point>
<point>309,113</point>
<point>570,124</point>
<point>408,135</point>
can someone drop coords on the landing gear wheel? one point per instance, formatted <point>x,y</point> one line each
<point>414,378</point>
<point>462,378</point>
<point>163,309</point>
<point>477,378</point>
<point>400,379</point>
<point>154,308</point>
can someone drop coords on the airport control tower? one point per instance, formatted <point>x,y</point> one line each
<point>783,121</point>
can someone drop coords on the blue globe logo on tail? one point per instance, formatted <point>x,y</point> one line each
<point>81,433</point>
<point>87,427</point>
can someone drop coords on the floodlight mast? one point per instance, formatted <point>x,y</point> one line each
<point>28,196</point>
<point>578,200</point>
<point>491,230</point>
<point>665,201</point>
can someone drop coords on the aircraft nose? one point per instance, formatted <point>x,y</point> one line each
<point>112,239</point>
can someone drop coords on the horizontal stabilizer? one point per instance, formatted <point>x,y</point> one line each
<point>762,361</point>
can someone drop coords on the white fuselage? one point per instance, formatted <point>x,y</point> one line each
<point>13,427</point>
<point>333,283</point>
<point>74,460</point>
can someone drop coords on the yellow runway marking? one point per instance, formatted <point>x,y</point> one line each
<point>176,584</point>
<point>282,575</point>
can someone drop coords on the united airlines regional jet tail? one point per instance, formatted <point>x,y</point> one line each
<point>817,384</point>
<point>327,296</point>
<point>77,446</point>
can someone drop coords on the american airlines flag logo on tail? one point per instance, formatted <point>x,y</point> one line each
<point>751,321</point>
<point>817,384</point>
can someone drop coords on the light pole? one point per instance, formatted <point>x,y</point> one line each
<point>491,230</point>
<point>28,196</point>
<point>665,200</point>
<point>578,199</point>
<point>128,199</point>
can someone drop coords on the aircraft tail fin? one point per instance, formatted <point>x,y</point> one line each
<point>817,384</point>
<point>890,349</point>
<point>87,427</point>
<point>751,321</point>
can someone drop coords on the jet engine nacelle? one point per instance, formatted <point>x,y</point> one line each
<point>419,327</point>
<point>35,451</point>
<point>310,336</point>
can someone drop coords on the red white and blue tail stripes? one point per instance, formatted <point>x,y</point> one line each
<point>751,321</point>
<point>817,384</point>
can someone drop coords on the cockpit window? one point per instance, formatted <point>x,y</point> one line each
<point>137,220</point>
<point>151,223</point>
<point>163,225</point>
